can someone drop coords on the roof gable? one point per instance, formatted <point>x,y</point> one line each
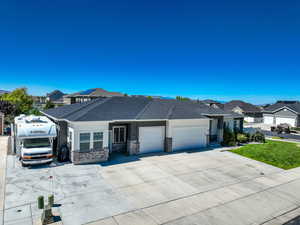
<point>95,92</point>
<point>295,107</point>
<point>246,107</point>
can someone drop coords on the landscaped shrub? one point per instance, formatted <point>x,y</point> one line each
<point>287,130</point>
<point>229,138</point>
<point>296,128</point>
<point>242,138</point>
<point>258,137</point>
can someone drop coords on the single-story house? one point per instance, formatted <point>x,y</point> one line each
<point>56,97</point>
<point>213,103</point>
<point>93,130</point>
<point>283,112</point>
<point>251,113</point>
<point>88,95</point>
<point>39,102</point>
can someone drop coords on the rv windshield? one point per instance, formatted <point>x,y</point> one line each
<point>36,143</point>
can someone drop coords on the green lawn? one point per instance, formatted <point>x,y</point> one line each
<point>277,153</point>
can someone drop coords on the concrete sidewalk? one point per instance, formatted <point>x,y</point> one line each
<point>3,152</point>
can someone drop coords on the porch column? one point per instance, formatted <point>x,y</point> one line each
<point>133,145</point>
<point>62,135</point>
<point>168,138</point>
<point>220,129</point>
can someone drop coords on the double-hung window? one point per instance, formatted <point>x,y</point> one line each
<point>98,140</point>
<point>85,141</point>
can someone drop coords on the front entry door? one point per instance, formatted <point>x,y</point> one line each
<point>119,138</point>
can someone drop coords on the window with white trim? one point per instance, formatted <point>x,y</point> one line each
<point>84,141</point>
<point>119,134</point>
<point>98,140</point>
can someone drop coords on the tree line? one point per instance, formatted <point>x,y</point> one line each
<point>19,102</point>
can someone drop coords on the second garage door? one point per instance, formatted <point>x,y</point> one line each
<point>290,121</point>
<point>185,138</point>
<point>151,139</point>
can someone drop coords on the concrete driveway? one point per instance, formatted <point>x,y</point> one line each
<point>208,187</point>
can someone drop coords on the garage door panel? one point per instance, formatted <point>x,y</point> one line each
<point>188,138</point>
<point>290,121</point>
<point>151,139</point>
<point>268,120</point>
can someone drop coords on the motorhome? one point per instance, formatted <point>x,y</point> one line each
<point>33,138</point>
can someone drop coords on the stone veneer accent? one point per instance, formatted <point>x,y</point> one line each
<point>90,156</point>
<point>133,147</point>
<point>168,144</point>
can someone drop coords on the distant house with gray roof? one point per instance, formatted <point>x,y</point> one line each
<point>56,97</point>
<point>88,95</point>
<point>283,112</point>
<point>251,113</point>
<point>213,103</point>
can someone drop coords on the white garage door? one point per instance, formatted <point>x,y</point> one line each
<point>185,138</point>
<point>151,139</point>
<point>249,119</point>
<point>289,121</point>
<point>268,120</point>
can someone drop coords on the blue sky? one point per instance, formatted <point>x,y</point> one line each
<point>216,49</point>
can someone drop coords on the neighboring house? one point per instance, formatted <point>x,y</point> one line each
<point>283,112</point>
<point>213,103</point>
<point>88,95</point>
<point>134,125</point>
<point>56,97</point>
<point>39,102</point>
<point>251,113</point>
<point>147,96</point>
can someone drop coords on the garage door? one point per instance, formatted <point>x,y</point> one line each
<point>151,139</point>
<point>268,120</point>
<point>185,138</point>
<point>249,119</point>
<point>289,121</point>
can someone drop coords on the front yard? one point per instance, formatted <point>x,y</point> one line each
<point>277,153</point>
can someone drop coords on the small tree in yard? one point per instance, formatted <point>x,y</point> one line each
<point>20,98</point>
<point>242,138</point>
<point>258,137</point>
<point>49,105</point>
<point>9,111</point>
<point>229,138</point>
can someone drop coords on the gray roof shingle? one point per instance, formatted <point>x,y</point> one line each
<point>295,106</point>
<point>246,107</point>
<point>132,108</point>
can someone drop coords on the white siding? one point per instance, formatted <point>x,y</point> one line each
<point>89,127</point>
